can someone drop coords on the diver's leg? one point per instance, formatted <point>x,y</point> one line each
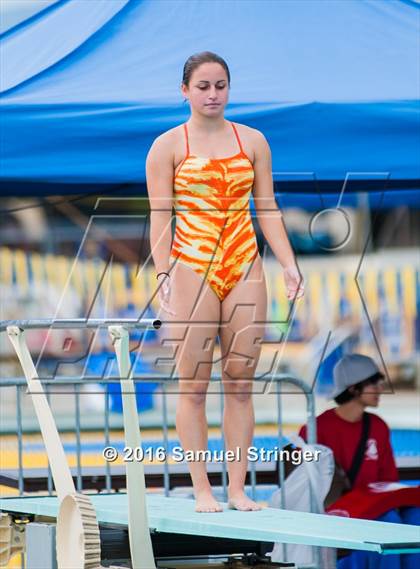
<point>243,317</point>
<point>193,330</point>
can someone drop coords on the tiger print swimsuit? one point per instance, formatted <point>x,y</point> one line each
<point>214,235</point>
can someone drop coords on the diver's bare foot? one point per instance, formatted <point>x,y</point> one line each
<point>206,502</point>
<point>241,502</point>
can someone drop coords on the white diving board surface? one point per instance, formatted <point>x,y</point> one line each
<point>177,515</point>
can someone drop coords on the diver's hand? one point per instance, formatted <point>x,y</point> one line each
<point>294,282</point>
<point>164,282</point>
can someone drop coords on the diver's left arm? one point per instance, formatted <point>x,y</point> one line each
<point>270,218</point>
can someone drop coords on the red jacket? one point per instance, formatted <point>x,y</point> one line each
<point>342,437</point>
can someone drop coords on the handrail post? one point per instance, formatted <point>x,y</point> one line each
<point>138,528</point>
<point>63,480</point>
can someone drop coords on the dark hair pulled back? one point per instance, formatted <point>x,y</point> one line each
<point>195,60</point>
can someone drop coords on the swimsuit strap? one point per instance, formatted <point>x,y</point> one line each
<point>188,146</point>
<point>237,137</point>
<point>186,139</point>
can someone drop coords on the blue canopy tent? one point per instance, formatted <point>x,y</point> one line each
<point>334,86</point>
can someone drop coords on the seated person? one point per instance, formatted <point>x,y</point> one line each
<point>358,385</point>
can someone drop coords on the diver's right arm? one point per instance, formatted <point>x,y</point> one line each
<point>159,178</point>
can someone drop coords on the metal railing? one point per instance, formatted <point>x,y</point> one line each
<point>168,470</point>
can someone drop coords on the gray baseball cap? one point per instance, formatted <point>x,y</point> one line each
<point>351,369</point>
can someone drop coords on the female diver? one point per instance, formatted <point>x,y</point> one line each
<point>211,275</point>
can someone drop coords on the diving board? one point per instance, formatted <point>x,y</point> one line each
<point>177,515</point>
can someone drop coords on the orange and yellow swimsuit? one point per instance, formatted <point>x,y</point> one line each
<point>214,235</point>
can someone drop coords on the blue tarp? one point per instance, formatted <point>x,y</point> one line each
<point>333,85</point>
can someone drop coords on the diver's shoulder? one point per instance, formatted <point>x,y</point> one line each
<point>247,130</point>
<point>252,138</point>
<point>165,142</point>
<point>168,137</point>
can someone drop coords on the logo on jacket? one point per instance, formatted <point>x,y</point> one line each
<point>371,450</point>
